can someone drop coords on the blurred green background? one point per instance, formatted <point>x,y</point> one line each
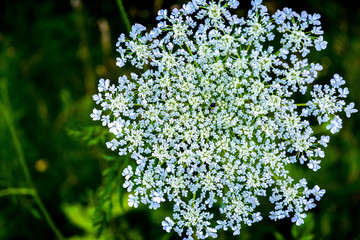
<point>52,54</point>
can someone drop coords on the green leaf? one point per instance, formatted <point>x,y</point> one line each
<point>295,231</point>
<point>307,237</point>
<point>35,213</point>
<point>279,236</point>
<point>79,215</point>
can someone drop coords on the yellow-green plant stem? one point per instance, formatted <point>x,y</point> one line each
<point>32,190</point>
<point>17,191</point>
<point>123,16</point>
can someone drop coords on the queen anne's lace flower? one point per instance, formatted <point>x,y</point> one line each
<point>210,122</point>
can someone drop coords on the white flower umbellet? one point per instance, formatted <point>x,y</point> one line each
<point>210,121</point>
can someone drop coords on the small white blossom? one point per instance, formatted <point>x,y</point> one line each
<point>133,201</point>
<point>314,165</point>
<point>96,114</point>
<point>158,198</point>
<point>324,140</point>
<point>335,125</point>
<point>309,204</point>
<point>298,218</point>
<point>103,85</point>
<point>167,224</point>
<point>127,173</point>
<point>317,192</point>
<point>337,81</point>
<point>349,109</point>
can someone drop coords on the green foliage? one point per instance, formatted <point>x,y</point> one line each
<point>111,187</point>
<point>92,135</point>
<point>81,216</point>
<point>51,55</point>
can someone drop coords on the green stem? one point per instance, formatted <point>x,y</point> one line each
<point>17,191</point>
<point>301,104</point>
<point>17,144</point>
<point>48,217</point>
<point>27,175</point>
<point>123,15</point>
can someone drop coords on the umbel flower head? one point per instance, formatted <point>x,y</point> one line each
<point>210,120</point>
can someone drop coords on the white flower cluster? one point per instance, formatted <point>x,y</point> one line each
<point>211,122</point>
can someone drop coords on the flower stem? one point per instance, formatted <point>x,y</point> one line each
<point>17,191</point>
<point>123,15</point>
<point>32,190</point>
